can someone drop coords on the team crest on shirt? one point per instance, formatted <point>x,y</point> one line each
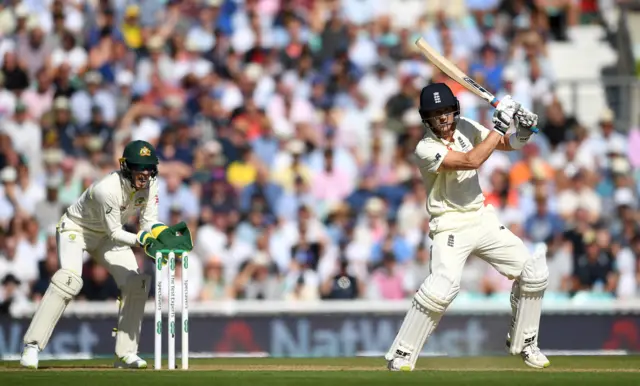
<point>145,152</point>
<point>139,201</point>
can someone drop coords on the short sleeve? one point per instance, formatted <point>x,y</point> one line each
<point>430,154</point>
<point>473,129</point>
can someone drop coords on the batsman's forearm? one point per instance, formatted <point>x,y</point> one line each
<point>481,153</point>
<point>505,143</point>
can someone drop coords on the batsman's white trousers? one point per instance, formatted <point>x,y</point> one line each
<point>73,240</point>
<point>480,234</point>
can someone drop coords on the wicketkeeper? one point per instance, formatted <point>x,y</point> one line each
<point>449,155</point>
<point>95,224</point>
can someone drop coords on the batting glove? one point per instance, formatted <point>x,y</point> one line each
<point>525,119</point>
<point>503,115</point>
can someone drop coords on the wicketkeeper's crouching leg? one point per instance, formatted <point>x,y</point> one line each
<point>65,285</point>
<point>526,304</point>
<point>429,303</point>
<point>133,297</point>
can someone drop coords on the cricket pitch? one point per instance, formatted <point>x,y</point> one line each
<point>490,371</point>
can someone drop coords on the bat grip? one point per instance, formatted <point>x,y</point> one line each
<point>495,103</point>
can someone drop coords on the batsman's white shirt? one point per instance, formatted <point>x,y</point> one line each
<point>108,203</point>
<point>460,223</point>
<point>451,192</point>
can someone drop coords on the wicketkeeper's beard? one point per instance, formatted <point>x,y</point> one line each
<point>141,180</point>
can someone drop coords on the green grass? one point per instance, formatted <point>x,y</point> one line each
<point>496,371</point>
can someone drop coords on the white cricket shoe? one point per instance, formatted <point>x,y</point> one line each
<point>533,357</point>
<point>131,361</point>
<point>399,364</point>
<point>29,358</point>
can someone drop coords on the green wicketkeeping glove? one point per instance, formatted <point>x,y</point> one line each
<point>154,247</point>
<point>175,238</point>
<point>182,234</point>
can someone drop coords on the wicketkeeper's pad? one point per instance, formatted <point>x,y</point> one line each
<point>135,293</point>
<point>64,286</point>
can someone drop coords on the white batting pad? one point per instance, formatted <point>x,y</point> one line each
<point>515,299</point>
<point>533,283</point>
<point>134,296</point>
<point>64,286</point>
<point>417,326</point>
<point>429,303</point>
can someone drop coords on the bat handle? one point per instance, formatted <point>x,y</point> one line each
<point>495,103</point>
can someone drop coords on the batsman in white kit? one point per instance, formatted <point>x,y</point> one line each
<point>95,224</point>
<point>448,156</point>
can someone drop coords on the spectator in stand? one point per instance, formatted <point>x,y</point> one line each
<point>387,280</point>
<point>12,300</point>
<point>258,280</point>
<point>594,268</point>
<point>342,285</point>
<point>287,132</point>
<point>47,267</point>
<point>97,283</point>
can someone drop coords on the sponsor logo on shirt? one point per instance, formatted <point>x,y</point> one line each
<point>463,144</point>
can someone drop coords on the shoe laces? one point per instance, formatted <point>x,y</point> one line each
<point>534,350</point>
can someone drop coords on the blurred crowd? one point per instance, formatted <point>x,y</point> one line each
<point>286,130</point>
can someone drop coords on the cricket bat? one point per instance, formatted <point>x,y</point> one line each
<point>456,74</point>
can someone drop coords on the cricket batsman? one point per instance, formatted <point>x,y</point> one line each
<point>449,156</point>
<point>95,224</point>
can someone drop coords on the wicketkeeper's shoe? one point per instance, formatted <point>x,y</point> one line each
<point>399,364</point>
<point>131,361</point>
<point>29,358</point>
<point>533,357</point>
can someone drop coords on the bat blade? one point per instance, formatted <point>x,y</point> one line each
<point>446,66</point>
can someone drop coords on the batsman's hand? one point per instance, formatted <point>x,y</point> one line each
<point>504,113</point>
<point>525,119</point>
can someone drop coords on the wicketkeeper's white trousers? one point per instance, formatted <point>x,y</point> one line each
<point>73,240</point>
